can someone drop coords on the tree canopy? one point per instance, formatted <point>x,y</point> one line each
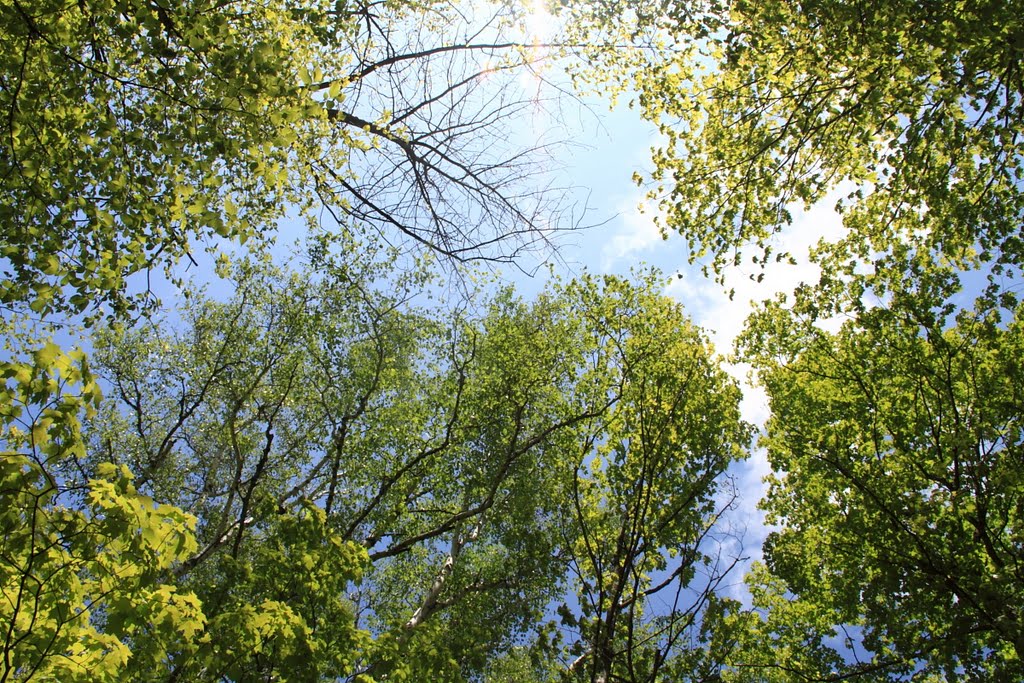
<point>134,132</point>
<point>898,451</point>
<point>323,472</point>
<point>893,437</point>
<point>916,109</point>
<point>366,490</point>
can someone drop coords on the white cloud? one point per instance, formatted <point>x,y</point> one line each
<point>637,235</point>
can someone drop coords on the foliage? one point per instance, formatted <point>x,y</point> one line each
<point>647,555</point>
<point>280,610</point>
<point>91,567</point>
<point>894,439</point>
<point>897,449</point>
<point>460,457</point>
<point>84,567</point>
<point>133,132</point>
<point>918,109</point>
<point>780,638</point>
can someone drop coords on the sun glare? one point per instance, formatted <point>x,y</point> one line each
<point>540,24</point>
<point>541,28</point>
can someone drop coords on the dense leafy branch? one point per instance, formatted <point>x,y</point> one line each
<point>135,132</point>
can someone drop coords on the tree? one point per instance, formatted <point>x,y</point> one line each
<point>917,109</point>
<point>894,438</point>
<point>84,568</point>
<point>134,131</point>
<point>896,444</point>
<point>456,456</point>
<point>644,554</point>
